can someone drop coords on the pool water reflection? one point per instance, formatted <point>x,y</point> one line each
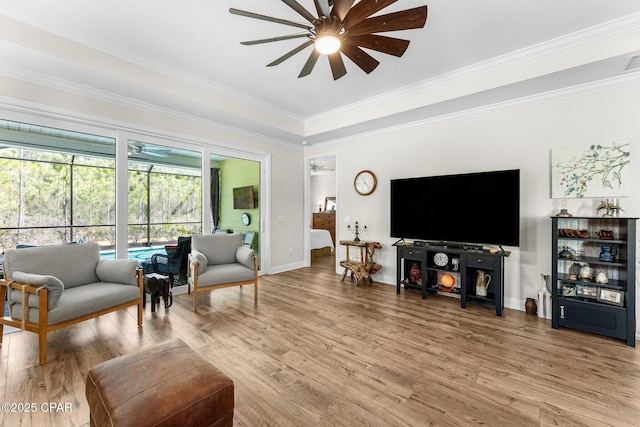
<point>140,254</point>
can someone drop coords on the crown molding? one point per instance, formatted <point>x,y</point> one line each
<point>614,27</point>
<point>553,95</point>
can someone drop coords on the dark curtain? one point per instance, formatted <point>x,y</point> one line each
<point>215,197</point>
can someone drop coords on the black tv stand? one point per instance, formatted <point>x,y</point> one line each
<point>463,264</point>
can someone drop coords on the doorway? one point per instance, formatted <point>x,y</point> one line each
<point>323,205</point>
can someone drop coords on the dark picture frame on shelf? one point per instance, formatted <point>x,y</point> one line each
<point>611,296</point>
<point>587,291</point>
<point>568,290</point>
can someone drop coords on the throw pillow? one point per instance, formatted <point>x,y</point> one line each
<point>53,284</point>
<point>117,271</point>
<point>245,256</point>
<point>201,259</point>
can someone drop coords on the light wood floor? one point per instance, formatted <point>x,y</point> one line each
<point>318,352</point>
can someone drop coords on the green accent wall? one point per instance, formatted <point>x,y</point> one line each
<point>239,173</point>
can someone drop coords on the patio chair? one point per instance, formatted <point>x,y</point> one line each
<point>174,262</point>
<point>248,239</point>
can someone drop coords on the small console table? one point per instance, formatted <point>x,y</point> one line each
<point>461,265</point>
<point>366,267</point>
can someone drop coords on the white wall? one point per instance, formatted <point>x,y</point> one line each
<point>519,137</point>
<point>321,186</point>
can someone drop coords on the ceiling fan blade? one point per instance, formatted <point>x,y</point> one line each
<point>311,62</point>
<point>384,44</point>
<point>361,58</point>
<point>322,7</point>
<point>293,4</point>
<point>269,18</point>
<point>363,10</point>
<point>341,8</point>
<point>337,65</point>
<point>404,20</point>
<point>290,53</point>
<point>275,39</point>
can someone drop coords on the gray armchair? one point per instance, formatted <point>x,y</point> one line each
<point>219,261</point>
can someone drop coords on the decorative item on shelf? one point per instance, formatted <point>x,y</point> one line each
<point>602,277</point>
<point>455,264</point>
<point>566,252</point>
<point>605,234</point>
<point>611,208</point>
<point>415,275</point>
<point>574,270</point>
<point>544,298</point>
<point>586,273</point>
<point>611,296</point>
<point>440,259</point>
<point>530,306</point>
<point>320,203</point>
<point>447,282</point>
<point>563,210</point>
<point>568,290</point>
<point>587,291</point>
<point>482,283</point>
<point>357,230</point>
<point>567,232</point>
<point>608,253</point>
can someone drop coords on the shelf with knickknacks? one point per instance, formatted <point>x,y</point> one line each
<point>593,273</point>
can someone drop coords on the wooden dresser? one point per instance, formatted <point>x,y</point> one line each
<point>326,221</point>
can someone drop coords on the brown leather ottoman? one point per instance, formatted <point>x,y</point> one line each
<point>169,384</point>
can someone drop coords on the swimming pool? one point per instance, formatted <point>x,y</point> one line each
<point>141,254</point>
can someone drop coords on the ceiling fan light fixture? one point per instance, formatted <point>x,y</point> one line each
<point>327,43</point>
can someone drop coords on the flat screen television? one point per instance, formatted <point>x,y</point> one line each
<point>243,198</point>
<point>474,208</point>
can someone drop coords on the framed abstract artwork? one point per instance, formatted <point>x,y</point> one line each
<point>598,170</point>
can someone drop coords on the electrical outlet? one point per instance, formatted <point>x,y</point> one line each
<point>280,218</point>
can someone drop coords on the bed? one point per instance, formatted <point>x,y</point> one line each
<point>321,243</point>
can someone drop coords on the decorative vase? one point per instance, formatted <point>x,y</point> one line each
<point>530,306</point>
<point>544,298</point>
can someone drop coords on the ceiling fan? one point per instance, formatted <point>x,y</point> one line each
<point>320,169</point>
<point>136,147</point>
<point>343,29</point>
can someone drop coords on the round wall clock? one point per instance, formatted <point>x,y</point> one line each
<point>365,183</point>
<point>246,219</point>
<point>440,259</point>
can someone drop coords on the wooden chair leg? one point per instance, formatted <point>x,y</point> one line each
<point>195,299</point>
<point>42,344</point>
<point>143,297</point>
<point>43,320</point>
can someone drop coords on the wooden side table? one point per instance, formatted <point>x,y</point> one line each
<point>362,270</point>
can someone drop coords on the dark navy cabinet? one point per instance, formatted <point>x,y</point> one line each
<point>593,275</point>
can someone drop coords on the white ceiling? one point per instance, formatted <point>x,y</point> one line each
<point>185,57</point>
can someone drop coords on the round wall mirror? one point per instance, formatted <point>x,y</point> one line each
<point>246,219</point>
